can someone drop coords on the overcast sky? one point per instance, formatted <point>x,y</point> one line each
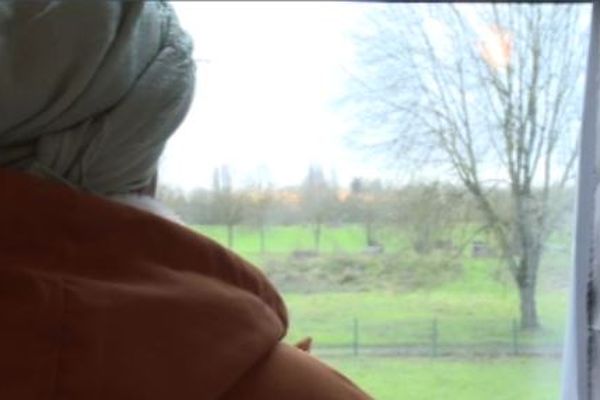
<point>267,76</point>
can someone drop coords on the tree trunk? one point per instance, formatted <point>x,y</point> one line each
<point>317,233</point>
<point>369,233</point>
<point>262,239</point>
<point>230,235</point>
<point>528,246</point>
<point>529,316</point>
<point>526,280</point>
<point>529,238</point>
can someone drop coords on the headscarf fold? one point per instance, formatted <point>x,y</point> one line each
<point>90,91</point>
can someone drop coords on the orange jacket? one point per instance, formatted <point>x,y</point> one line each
<point>102,301</point>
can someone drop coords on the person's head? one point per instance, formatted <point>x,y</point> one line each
<point>90,91</point>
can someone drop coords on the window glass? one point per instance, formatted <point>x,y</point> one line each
<point>404,173</point>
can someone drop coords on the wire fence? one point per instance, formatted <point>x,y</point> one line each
<point>438,337</point>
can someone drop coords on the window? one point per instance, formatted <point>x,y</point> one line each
<point>405,174</point>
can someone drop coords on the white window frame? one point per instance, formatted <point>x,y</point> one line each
<point>580,364</point>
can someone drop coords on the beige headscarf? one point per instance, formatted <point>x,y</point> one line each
<point>91,90</point>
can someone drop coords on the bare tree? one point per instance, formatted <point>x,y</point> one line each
<point>227,205</point>
<point>261,196</point>
<point>487,94</point>
<point>422,211</point>
<point>318,201</point>
<point>366,198</point>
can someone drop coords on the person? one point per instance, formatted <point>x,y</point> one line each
<point>102,296</point>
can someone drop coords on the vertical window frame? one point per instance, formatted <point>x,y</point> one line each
<point>580,367</point>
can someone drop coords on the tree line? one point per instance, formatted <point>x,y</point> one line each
<point>432,215</point>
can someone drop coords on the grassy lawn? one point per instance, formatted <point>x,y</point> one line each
<point>476,308</point>
<point>286,239</point>
<point>477,379</point>
<point>387,318</point>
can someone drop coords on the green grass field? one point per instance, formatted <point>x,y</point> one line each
<point>286,239</point>
<point>477,309</point>
<point>482,379</point>
<point>387,318</point>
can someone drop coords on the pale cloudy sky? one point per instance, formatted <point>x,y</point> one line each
<point>267,76</point>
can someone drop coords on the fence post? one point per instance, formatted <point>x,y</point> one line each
<point>355,341</point>
<point>434,338</point>
<point>515,337</point>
